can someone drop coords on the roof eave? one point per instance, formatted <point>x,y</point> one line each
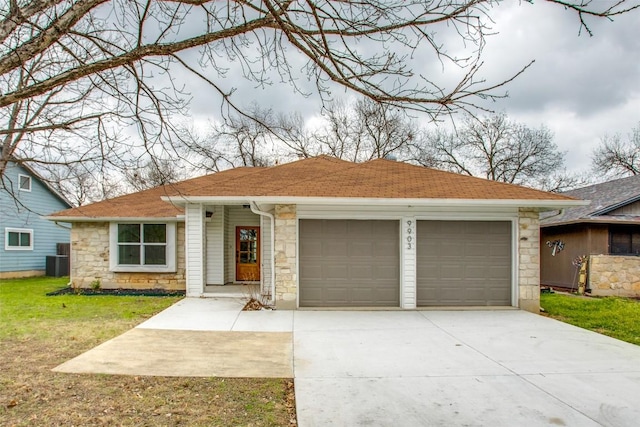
<point>615,206</point>
<point>587,221</point>
<point>531,203</point>
<point>177,218</point>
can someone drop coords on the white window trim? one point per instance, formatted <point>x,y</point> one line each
<point>20,176</point>
<point>169,267</point>
<point>18,230</point>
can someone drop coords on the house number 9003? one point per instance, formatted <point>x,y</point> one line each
<point>409,238</point>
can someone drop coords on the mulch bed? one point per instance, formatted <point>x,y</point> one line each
<point>124,292</point>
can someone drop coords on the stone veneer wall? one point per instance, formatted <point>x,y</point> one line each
<point>286,237</point>
<point>614,275</point>
<point>90,262</point>
<point>529,260</point>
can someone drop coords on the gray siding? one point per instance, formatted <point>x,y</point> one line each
<point>27,213</point>
<point>194,254</point>
<point>215,246</point>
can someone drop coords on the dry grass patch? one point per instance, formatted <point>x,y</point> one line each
<point>30,394</point>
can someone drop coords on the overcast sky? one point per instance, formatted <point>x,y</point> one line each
<point>580,87</point>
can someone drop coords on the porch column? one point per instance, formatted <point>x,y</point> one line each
<point>529,260</point>
<point>285,252</point>
<point>194,215</point>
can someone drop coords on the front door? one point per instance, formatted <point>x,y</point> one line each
<point>247,254</point>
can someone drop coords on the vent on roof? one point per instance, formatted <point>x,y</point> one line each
<point>391,157</point>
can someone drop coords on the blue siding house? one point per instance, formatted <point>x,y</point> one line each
<point>27,237</point>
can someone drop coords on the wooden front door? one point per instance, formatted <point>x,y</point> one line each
<point>247,254</point>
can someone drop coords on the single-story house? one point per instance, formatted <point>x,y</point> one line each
<point>605,233</point>
<point>322,232</point>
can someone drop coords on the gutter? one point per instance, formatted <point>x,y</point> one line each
<point>255,210</point>
<point>559,213</point>
<point>354,201</point>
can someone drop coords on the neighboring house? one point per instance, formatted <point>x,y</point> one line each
<point>27,237</point>
<point>606,232</point>
<point>322,232</point>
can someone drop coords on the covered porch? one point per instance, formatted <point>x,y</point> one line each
<point>229,250</point>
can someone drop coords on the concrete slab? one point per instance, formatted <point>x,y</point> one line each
<point>531,344</point>
<point>611,399</point>
<point>357,320</point>
<point>460,368</point>
<point>436,401</point>
<point>387,353</point>
<point>264,321</point>
<point>189,354</point>
<point>197,314</point>
<point>381,368</point>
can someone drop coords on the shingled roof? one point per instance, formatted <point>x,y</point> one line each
<point>604,198</point>
<point>321,177</point>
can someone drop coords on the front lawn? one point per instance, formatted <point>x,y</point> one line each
<point>616,317</point>
<point>38,332</point>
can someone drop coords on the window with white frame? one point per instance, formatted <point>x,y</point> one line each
<point>24,182</point>
<point>18,239</point>
<point>142,247</point>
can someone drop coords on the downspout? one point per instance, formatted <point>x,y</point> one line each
<point>255,210</point>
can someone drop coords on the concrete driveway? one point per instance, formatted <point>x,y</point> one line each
<point>472,368</point>
<point>394,368</point>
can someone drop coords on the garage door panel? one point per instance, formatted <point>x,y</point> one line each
<point>311,248</point>
<point>386,273</point>
<point>335,247</point>
<point>336,272</point>
<point>336,293</point>
<point>463,263</point>
<point>359,265</point>
<point>360,248</point>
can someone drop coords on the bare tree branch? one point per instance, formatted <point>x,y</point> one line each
<point>618,156</point>
<point>94,82</point>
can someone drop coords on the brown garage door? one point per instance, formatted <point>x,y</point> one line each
<point>349,263</point>
<point>463,263</point>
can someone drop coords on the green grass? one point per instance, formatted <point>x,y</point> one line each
<point>39,332</point>
<point>25,309</point>
<point>616,317</point>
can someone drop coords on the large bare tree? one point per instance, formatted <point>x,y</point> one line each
<point>96,81</point>
<point>617,155</point>
<point>365,130</point>
<point>499,149</point>
<point>358,131</point>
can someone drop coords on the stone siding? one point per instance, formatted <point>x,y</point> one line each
<point>614,275</point>
<point>286,237</point>
<point>90,262</point>
<point>529,260</point>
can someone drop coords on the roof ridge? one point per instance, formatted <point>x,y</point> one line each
<point>610,182</point>
<point>325,157</point>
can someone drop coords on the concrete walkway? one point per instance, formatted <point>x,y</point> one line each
<point>388,368</point>
<point>198,337</point>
